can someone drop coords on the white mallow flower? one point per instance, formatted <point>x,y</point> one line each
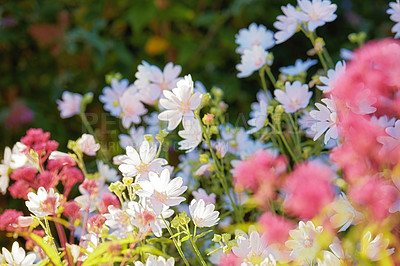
<point>134,139</point>
<point>254,35</point>
<point>295,97</point>
<point>305,122</point>
<point>203,215</point>
<point>201,194</point>
<point>140,164</point>
<point>395,207</point>
<point>17,256</point>
<point>156,261</point>
<point>345,214</point>
<point>331,77</point>
<point>110,174</point>
<point>298,67</point>
<point>375,249</point>
<point>162,191</point>
<point>251,60</point>
<point>70,104</point>
<point>288,23</point>
<point>317,12</point>
<point>326,120</point>
<point>111,96</point>
<point>392,141</point>
<point>43,203</point>
<point>118,221</point>
<point>144,217</point>
<point>4,169</point>
<point>259,112</point>
<point>131,107</point>
<point>191,134</point>
<point>304,244</point>
<point>394,12</point>
<point>88,144</point>
<point>180,102</point>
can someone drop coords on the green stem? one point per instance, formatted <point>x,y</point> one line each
<point>262,77</point>
<point>175,243</point>
<point>270,76</point>
<point>196,250</point>
<point>296,132</point>
<point>311,36</point>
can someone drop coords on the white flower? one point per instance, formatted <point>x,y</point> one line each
<point>131,107</point>
<point>156,261</point>
<point>251,60</point>
<point>305,122</point>
<point>254,35</point>
<point>191,133</point>
<point>259,112</point>
<point>70,104</point>
<point>392,141</point>
<point>162,191</point>
<point>346,54</point>
<point>317,12</point>
<point>345,213</point>
<point>220,149</point>
<point>111,96</point>
<point>18,157</point>
<point>144,216</point>
<point>153,123</point>
<point>383,121</point>
<point>329,259</point>
<point>18,257</point>
<point>110,174</point>
<point>288,23</point>
<point>43,203</point>
<point>4,169</point>
<point>395,207</point>
<point>201,194</point>
<point>394,12</point>
<point>295,97</point>
<point>118,221</point>
<point>179,103</point>
<point>332,75</point>
<point>203,215</point>
<point>134,139</point>
<point>326,120</point>
<point>199,87</point>
<point>298,68</point>
<point>140,164</point>
<point>88,144</point>
<point>375,249</point>
<point>304,245</point>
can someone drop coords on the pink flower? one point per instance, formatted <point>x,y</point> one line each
<point>108,200</point>
<point>20,189</point>
<point>72,210</point>
<point>88,144</point>
<point>39,141</point>
<point>276,228</point>
<point>132,108</point>
<point>9,220</point>
<point>229,259</point>
<point>70,104</point>
<point>308,189</point>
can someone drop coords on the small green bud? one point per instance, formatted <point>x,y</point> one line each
<point>279,109</point>
<point>352,37</point>
<point>214,130</point>
<point>270,110</point>
<point>110,76</point>
<point>204,158</point>
<point>149,138</point>
<point>161,135</point>
<point>217,92</point>
<point>175,222</point>
<point>127,181</point>
<point>205,99</point>
<point>226,237</point>
<point>217,238</point>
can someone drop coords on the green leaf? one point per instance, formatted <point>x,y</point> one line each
<point>203,234</point>
<point>158,240</point>
<point>184,238</point>
<point>50,252</point>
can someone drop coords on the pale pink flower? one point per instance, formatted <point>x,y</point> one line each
<point>325,120</point>
<point>394,12</point>
<point>317,12</point>
<point>295,97</point>
<point>298,67</point>
<point>331,77</point>
<point>252,60</point>
<point>201,194</point>
<point>375,249</point>
<point>88,144</point>
<point>70,104</point>
<point>132,108</point>
<point>111,96</point>
<point>43,203</point>
<point>254,35</point>
<point>192,134</point>
<point>288,23</point>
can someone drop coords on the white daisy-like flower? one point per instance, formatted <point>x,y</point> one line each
<point>305,122</point>
<point>298,68</point>
<point>394,12</point>
<point>375,249</point>
<point>143,216</point>
<point>131,107</point>
<point>317,12</point>
<point>326,120</point>
<point>191,134</point>
<point>251,60</point>
<point>70,104</point>
<point>88,144</point>
<point>134,139</point>
<point>110,174</point>
<point>180,103</point>
<point>17,256</point>
<point>331,77</point>
<point>118,221</point>
<point>345,214</point>
<point>288,23</point>
<point>392,141</point>
<point>4,170</point>
<point>141,163</point>
<point>259,112</point>
<point>201,194</point>
<point>304,245</point>
<point>162,191</point>
<point>384,121</point>
<point>156,261</point>
<point>254,35</point>
<point>111,96</point>
<point>203,215</point>
<point>295,97</point>
<point>43,203</point>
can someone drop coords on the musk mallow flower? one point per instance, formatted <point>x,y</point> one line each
<point>203,215</point>
<point>345,214</point>
<point>191,134</point>
<point>295,97</point>
<point>251,60</point>
<point>254,35</point>
<point>110,174</point>
<point>141,163</point>
<point>111,96</point>
<point>88,144</point>
<point>331,77</point>
<point>392,141</point>
<point>156,261</point>
<point>394,12</point>
<point>4,169</point>
<point>259,112</point>
<point>131,107</point>
<point>298,67</point>
<point>304,243</point>
<point>317,12</point>
<point>375,249</point>
<point>161,190</point>
<point>288,23</point>
<point>43,203</point>
<point>179,103</point>
<point>70,104</point>
<point>326,120</point>
<point>134,139</point>
<point>202,194</point>
<point>17,256</point>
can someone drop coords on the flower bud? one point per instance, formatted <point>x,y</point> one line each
<point>208,119</point>
<point>204,158</point>
<point>279,109</point>
<point>205,99</point>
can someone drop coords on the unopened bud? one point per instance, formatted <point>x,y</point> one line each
<point>208,119</point>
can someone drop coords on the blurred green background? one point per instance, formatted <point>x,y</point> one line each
<point>50,46</point>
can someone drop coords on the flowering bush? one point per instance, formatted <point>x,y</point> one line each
<point>315,181</point>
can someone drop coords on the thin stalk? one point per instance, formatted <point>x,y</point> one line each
<point>262,77</point>
<point>270,76</point>
<point>63,241</point>
<point>296,132</point>
<point>196,250</point>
